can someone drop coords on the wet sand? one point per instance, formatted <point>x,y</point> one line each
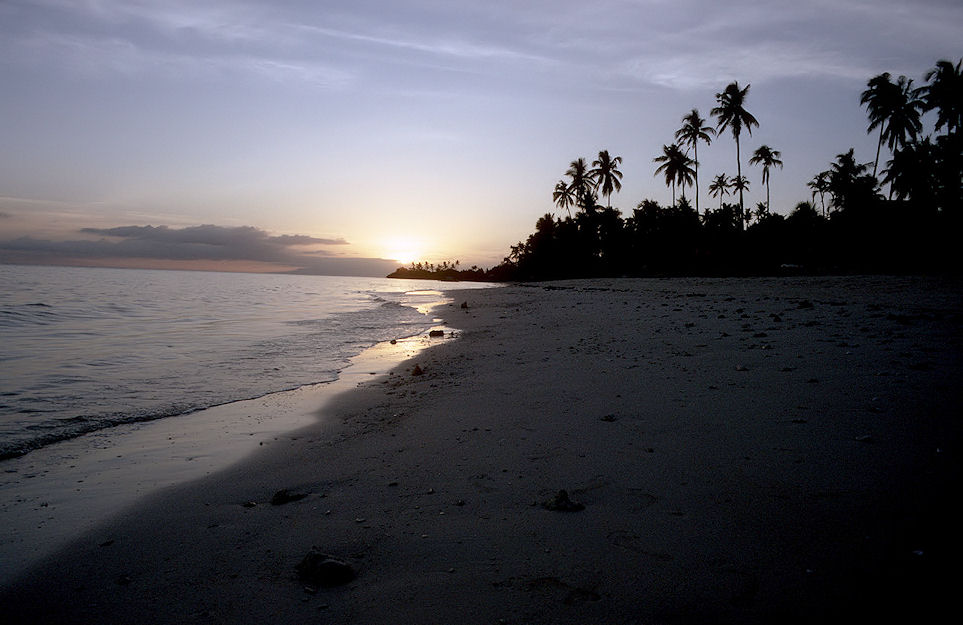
<point>743,451</point>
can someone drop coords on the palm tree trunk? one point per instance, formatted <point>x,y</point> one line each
<point>695,153</point>
<point>768,208</point>
<point>878,147</point>
<point>742,211</point>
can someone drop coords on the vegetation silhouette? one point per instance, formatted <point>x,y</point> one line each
<point>915,227</point>
<point>732,114</point>
<point>691,133</point>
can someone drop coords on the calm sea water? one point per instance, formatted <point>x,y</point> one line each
<point>84,349</point>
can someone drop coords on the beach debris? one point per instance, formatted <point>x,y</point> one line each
<point>249,504</point>
<point>417,370</point>
<point>394,341</point>
<point>609,418</point>
<point>561,503</point>
<point>436,333</point>
<point>322,569</point>
<point>864,438</point>
<point>284,496</point>
<point>464,304</point>
<point>742,368</point>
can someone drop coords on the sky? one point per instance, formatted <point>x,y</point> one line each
<point>352,136</point>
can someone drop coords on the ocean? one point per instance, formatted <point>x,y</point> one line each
<point>84,349</point>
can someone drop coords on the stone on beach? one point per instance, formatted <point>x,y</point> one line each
<point>560,502</point>
<point>321,569</point>
<point>284,496</point>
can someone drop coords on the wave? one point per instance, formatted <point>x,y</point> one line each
<point>310,351</point>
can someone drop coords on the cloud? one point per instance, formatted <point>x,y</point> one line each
<point>211,235</point>
<point>202,246</point>
<point>758,62</point>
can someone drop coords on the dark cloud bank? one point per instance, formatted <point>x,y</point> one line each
<point>196,244</point>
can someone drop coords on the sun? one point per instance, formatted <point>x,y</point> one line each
<point>404,249</point>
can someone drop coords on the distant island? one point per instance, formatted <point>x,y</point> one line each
<point>447,271</point>
<point>904,215</point>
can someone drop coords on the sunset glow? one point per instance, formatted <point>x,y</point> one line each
<point>404,249</point>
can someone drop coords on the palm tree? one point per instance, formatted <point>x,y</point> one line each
<point>849,184</point>
<point>720,186</point>
<point>911,174</point>
<point>563,196</point>
<point>767,157</point>
<point>731,113</point>
<point>692,132</point>
<point>895,108</point>
<point>943,93</point>
<point>740,184</point>
<point>904,123</point>
<point>676,167</point>
<point>582,181</point>
<point>878,98</point>
<point>606,173</point>
<point>820,184</point>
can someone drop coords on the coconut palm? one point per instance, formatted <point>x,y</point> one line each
<point>911,174</point>
<point>731,113</point>
<point>767,157</point>
<point>849,183</point>
<point>945,94</point>
<point>676,167</point>
<point>741,184</point>
<point>904,123</point>
<point>691,133</point>
<point>582,181</point>
<point>879,98</point>
<point>720,187</point>
<point>820,184</point>
<point>563,196</point>
<point>606,174</point>
<point>894,108</point>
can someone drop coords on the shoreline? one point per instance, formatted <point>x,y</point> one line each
<point>56,493</point>
<point>745,451</point>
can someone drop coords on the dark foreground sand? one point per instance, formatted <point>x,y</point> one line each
<point>746,451</point>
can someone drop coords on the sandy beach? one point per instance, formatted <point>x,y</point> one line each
<point>773,450</point>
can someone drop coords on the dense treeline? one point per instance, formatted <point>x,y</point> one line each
<point>903,216</point>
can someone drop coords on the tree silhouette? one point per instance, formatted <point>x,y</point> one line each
<point>911,173</point>
<point>606,174</point>
<point>904,120</point>
<point>582,181</point>
<point>740,184</point>
<point>945,95</point>
<point>920,229</point>
<point>820,184</point>
<point>731,113</point>
<point>693,131</point>
<point>849,184</point>
<point>767,157</point>
<point>563,196</point>
<point>879,99</point>
<point>676,167</point>
<point>895,109</point>
<point>720,186</point>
